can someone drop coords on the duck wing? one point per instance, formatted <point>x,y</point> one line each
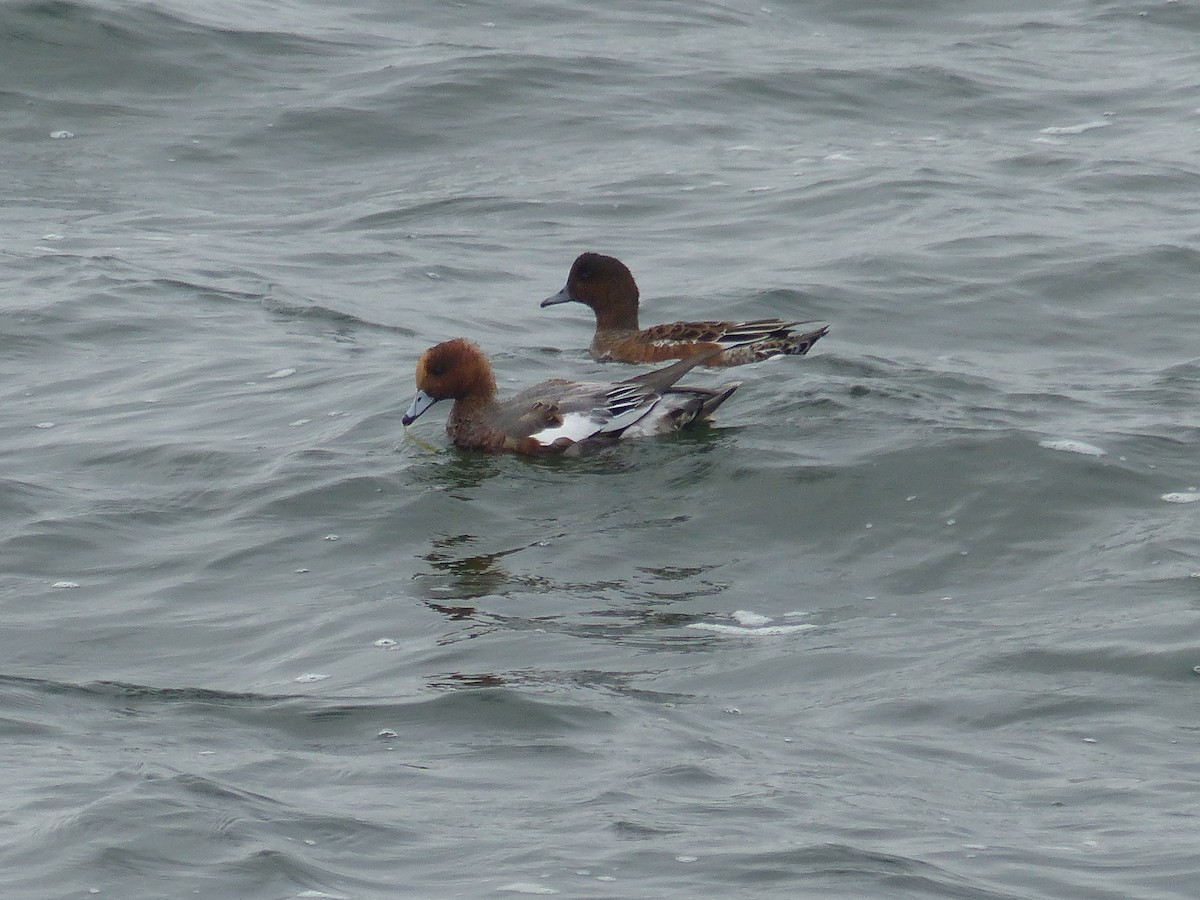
<point>661,379</point>
<point>556,414</point>
<point>724,334</point>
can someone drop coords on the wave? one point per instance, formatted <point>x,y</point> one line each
<point>53,46</point>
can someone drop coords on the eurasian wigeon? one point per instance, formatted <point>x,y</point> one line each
<point>556,415</point>
<point>606,285</point>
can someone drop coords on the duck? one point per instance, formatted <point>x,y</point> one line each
<point>606,285</point>
<point>555,416</point>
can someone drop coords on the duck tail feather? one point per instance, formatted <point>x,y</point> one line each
<point>661,379</point>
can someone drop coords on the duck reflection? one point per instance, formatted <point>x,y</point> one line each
<point>468,577</point>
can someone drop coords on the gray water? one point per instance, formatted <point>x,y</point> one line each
<point>916,618</point>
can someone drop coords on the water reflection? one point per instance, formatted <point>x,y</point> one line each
<point>625,683</point>
<point>459,577</point>
<point>449,470</point>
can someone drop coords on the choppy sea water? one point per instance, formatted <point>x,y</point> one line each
<point>916,618</point>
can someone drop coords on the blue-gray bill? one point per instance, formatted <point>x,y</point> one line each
<point>563,296</point>
<point>420,404</point>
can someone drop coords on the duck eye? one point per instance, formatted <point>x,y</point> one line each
<point>437,368</point>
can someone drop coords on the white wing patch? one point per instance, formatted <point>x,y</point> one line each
<point>576,426</point>
<point>624,405</point>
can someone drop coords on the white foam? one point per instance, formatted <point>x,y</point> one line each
<point>282,373</point>
<point>310,677</point>
<point>743,631</point>
<point>1075,129</point>
<point>525,887</point>
<point>1069,446</point>
<point>65,584</point>
<point>745,617</point>
<point>1182,496</point>
<point>61,135</point>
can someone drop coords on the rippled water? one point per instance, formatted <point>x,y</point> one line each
<point>917,618</point>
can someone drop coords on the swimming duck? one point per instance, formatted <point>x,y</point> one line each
<point>557,415</point>
<point>605,284</point>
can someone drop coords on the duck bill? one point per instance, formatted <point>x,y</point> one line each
<point>420,404</point>
<point>563,296</point>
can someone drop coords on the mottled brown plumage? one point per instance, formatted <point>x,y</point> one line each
<point>605,284</point>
